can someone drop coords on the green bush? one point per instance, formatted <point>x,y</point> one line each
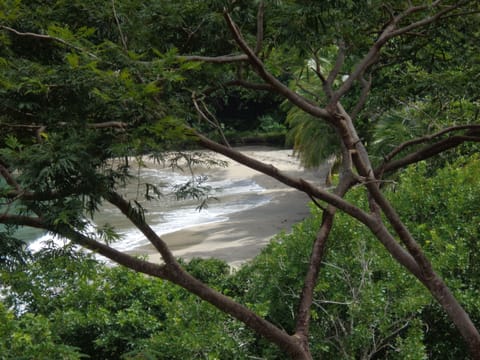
<point>365,303</point>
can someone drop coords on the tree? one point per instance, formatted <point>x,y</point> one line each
<point>116,97</point>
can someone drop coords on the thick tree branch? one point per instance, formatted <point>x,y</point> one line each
<point>35,222</point>
<point>317,255</point>
<point>10,179</point>
<point>366,85</point>
<point>170,271</point>
<point>429,277</point>
<point>376,227</point>
<point>287,343</point>
<point>424,153</point>
<point>426,138</point>
<point>131,262</point>
<point>280,88</point>
<point>173,272</point>
<point>125,207</point>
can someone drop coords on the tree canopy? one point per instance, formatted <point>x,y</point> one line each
<point>385,85</point>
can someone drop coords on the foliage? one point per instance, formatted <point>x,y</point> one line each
<point>365,305</point>
<point>83,84</point>
<point>420,85</point>
<point>109,313</point>
<point>31,337</point>
<point>112,312</point>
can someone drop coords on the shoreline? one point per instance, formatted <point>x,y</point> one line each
<point>247,232</point>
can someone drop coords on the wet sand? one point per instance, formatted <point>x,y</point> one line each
<point>245,233</point>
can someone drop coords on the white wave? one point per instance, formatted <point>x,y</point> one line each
<point>166,216</point>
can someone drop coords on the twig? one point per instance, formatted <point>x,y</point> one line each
<point>215,59</point>
<point>212,121</point>
<point>117,21</point>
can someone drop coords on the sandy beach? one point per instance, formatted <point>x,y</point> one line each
<point>245,233</point>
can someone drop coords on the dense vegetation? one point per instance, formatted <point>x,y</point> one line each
<point>67,304</point>
<point>389,87</point>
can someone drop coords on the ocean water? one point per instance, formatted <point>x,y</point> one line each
<point>167,214</point>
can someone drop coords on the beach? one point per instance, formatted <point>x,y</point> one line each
<point>245,233</point>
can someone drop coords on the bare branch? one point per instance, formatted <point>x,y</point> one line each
<point>425,21</point>
<point>117,21</point>
<point>326,86</point>
<point>209,118</point>
<point>338,64</point>
<point>46,37</point>
<point>426,138</point>
<point>108,124</point>
<point>241,83</point>
<point>192,33</point>
<point>249,85</point>
<point>317,254</point>
<point>103,125</point>
<point>306,91</point>
<point>9,178</point>
<point>125,207</point>
<point>424,153</point>
<point>215,59</point>
<point>366,85</point>
<point>261,10</point>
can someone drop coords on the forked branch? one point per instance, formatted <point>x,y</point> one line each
<point>424,153</point>
<point>390,31</point>
<point>278,87</point>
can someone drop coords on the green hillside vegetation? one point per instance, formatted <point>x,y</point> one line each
<point>66,305</point>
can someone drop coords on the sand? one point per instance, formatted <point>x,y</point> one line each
<point>245,233</point>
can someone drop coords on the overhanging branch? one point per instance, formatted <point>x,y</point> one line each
<point>424,153</point>
<point>426,138</point>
